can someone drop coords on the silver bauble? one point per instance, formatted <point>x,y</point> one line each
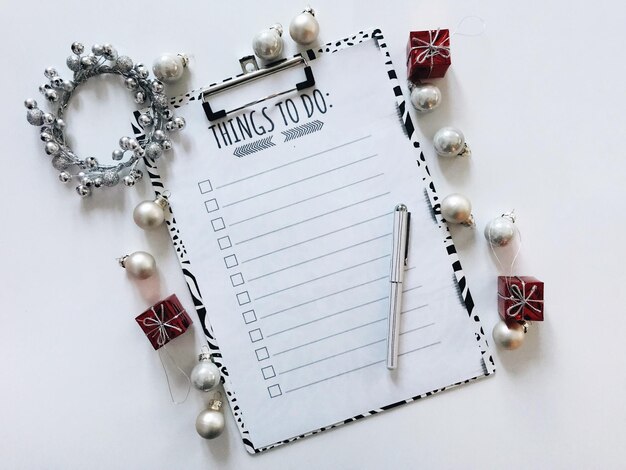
<point>509,335</point>
<point>304,28</point>
<point>205,375</point>
<point>425,97</point>
<point>139,264</point>
<point>150,214</point>
<point>169,68</point>
<point>210,423</point>
<point>450,142</point>
<point>500,231</point>
<point>268,44</point>
<point>457,209</point>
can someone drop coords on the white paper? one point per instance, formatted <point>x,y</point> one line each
<point>290,246</point>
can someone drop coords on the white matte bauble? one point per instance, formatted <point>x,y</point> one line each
<point>457,209</point>
<point>210,423</point>
<point>304,28</point>
<point>150,214</point>
<point>268,44</point>
<point>500,231</point>
<point>425,97</point>
<point>169,68</point>
<point>509,336</point>
<point>139,264</point>
<point>205,375</point>
<point>450,142</point>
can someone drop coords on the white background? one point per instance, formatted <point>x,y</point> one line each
<point>540,99</point>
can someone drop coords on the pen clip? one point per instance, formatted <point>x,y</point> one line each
<point>406,240</point>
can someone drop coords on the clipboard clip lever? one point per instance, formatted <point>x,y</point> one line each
<point>252,72</point>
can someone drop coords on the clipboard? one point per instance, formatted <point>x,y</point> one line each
<point>305,60</point>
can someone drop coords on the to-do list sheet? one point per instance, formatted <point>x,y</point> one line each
<point>284,211</point>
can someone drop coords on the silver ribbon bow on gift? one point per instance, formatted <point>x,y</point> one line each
<point>161,326</point>
<point>521,300</point>
<point>430,48</point>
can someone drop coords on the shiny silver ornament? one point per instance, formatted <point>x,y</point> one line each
<point>425,97</point>
<point>169,68</point>
<point>450,142</point>
<point>304,28</point>
<point>205,375</point>
<point>150,214</point>
<point>457,209</point>
<point>83,191</point>
<point>139,264</point>
<point>501,230</point>
<point>509,335</point>
<point>64,177</point>
<point>268,44</point>
<point>210,423</point>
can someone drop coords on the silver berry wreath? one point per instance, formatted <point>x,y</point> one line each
<point>156,121</point>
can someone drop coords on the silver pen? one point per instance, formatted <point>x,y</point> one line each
<point>399,254</point>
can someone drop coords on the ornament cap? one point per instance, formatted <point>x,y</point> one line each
<point>215,404</point>
<point>204,356</point>
<point>161,200</point>
<point>278,27</point>
<point>509,215</point>
<point>470,222</point>
<point>122,260</point>
<point>309,10</point>
<point>185,58</point>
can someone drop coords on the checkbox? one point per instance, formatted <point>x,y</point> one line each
<point>224,242</point>
<point>236,279</point>
<point>262,354</point>
<point>231,261</point>
<point>249,316</point>
<point>205,186</point>
<point>268,372</point>
<point>274,390</point>
<point>211,205</point>
<point>218,224</point>
<point>255,335</point>
<point>243,298</point>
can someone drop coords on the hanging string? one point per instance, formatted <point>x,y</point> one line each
<point>169,386</point>
<point>511,216</point>
<point>482,27</point>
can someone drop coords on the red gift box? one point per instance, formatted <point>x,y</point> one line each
<point>428,54</point>
<point>520,298</point>
<point>164,321</point>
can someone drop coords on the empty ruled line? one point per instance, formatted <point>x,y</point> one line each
<point>332,356</point>
<point>322,277</point>
<point>292,162</point>
<point>319,257</point>
<point>329,336</point>
<point>305,200</point>
<point>300,180</point>
<point>325,296</point>
<point>316,238</point>
<point>349,330</point>
<point>327,316</point>
<point>411,288</point>
<point>414,308</point>
<point>359,368</point>
<point>334,376</point>
<point>311,218</point>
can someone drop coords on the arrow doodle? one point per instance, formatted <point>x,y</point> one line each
<point>302,130</point>
<point>253,147</point>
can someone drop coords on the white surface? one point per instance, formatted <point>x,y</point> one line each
<point>540,99</point>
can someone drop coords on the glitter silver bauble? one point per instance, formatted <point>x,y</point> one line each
<point>110,178</point>
<point>73,63</point>
<point>509,335</point>
<point>457,209</point>
<point>154,150</point>
<point>210,423</point>
<point>268,44</point>
<point>425,97</point>
<point>35,117</point>
<point>139,264</point>
<point>205,375</point>
<point>304,28</point>
<point>501,230</point>
<point>124,64</point>
<point>450,142</point>
<point>61,162</point>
